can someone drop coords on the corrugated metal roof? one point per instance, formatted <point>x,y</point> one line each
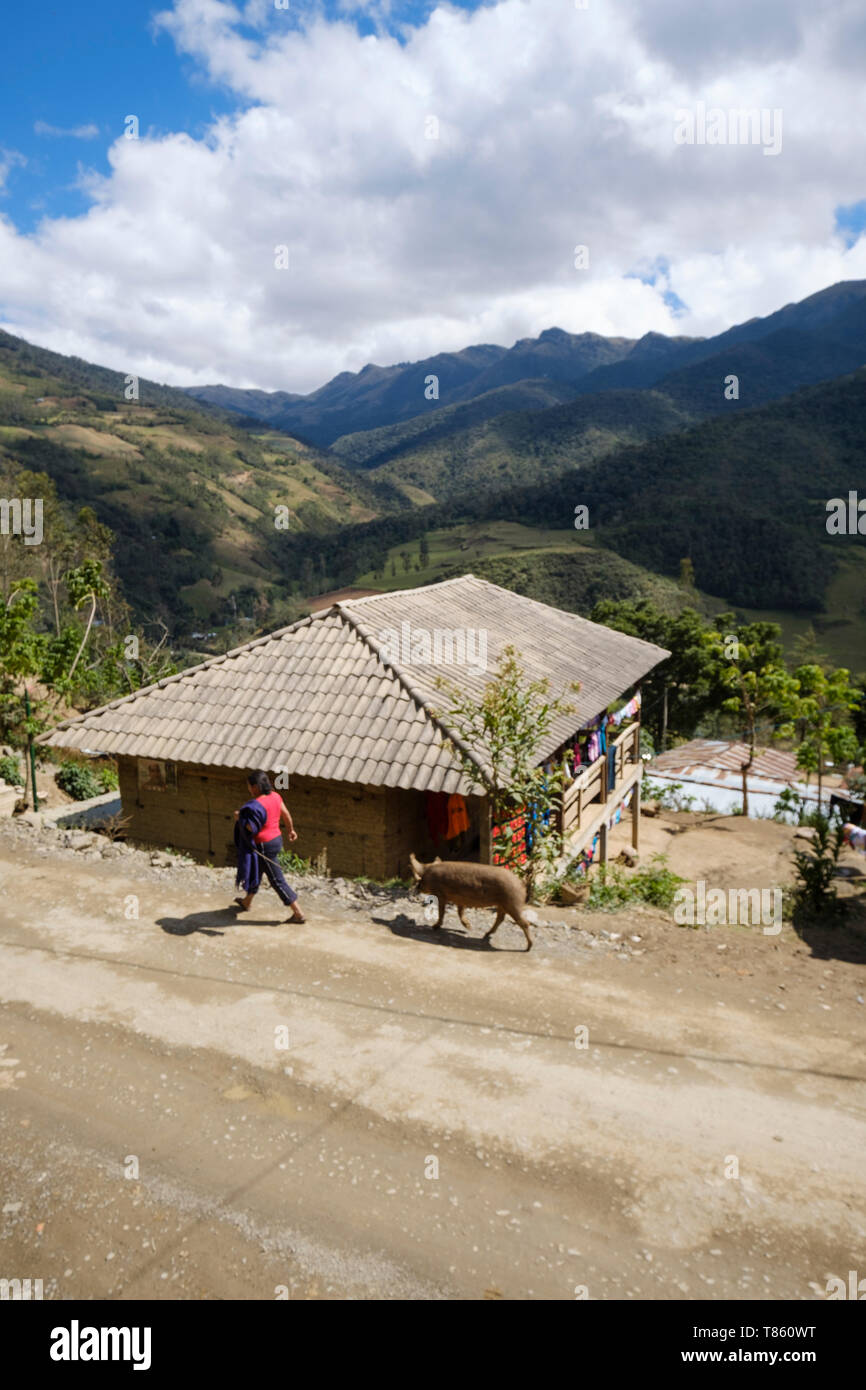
<point>704,758</point>
<point>325,698</point>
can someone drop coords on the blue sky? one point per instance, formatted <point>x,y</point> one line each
<point>311,128</point>
<point>851,221</point>
<point>57,72</point>
<point>75,84</point>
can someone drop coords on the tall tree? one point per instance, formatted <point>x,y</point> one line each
<point>679,692</point>
<point>762,696</point>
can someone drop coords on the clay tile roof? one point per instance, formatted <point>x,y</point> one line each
<point>350,693</point>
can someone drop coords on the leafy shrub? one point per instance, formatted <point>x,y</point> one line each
<point>10,771</point>
<point>609,889</point>
<point>791,804</point>
<point>292,864</point>
<point>789,807</point>
<point>815,868</point>
<point>654,883</point>
<point>108,778</point>
<point>78,781</point>
<point>668,795</point>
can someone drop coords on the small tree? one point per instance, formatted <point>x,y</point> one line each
<point>500,735</point>
<point>85,584</point>
<point>21,654</point>
<point>687,575</point>
<point>816,868</point>
<point>824,700</point>
<point>763,693</point>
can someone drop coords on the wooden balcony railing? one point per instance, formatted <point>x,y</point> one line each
<point>588,793</point>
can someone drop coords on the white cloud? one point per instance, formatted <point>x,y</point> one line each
<point>9,159</point>
<point>77,132</point>
<point>555,128</point>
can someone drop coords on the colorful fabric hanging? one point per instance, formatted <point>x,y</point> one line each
<point>458,818</point>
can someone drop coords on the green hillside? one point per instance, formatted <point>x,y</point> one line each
<point>368,448</point>
<point>190,497</point>
<point>743,497</point>
<point>529,445</point>
<point>559,567</point>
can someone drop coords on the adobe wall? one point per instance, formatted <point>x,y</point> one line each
<point>355,830</point>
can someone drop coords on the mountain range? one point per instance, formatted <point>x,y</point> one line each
<point>818,338</point>
<point>672,466</point>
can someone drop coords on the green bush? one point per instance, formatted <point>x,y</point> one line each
<point>668,795</point>
<point>10,771</point>
<point>611,889</point>
<point>292,864</point>
<point>655,883</point>
<point>791,804</point>
<point>78,781</point>
<point>815,868</point>
<point>108,779</point>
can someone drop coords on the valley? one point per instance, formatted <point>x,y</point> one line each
<point>224,521</point>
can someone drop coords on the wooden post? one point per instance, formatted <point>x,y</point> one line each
<point>635,818</point>
<point>602,843</point>
<point>31,754</point>
<point>485,847</point>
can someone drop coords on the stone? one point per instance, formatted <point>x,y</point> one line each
<point>80,839</point>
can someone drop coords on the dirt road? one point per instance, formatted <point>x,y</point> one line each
<point>201,1107</point>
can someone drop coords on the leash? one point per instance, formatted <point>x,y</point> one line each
<point>258,853</point>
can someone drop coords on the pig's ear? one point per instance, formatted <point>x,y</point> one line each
<point>417,869</point>
<point>437,860</point>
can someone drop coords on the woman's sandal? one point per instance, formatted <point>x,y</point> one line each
<point>293,918</point>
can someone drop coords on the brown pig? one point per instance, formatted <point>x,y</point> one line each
<point>473,885</point>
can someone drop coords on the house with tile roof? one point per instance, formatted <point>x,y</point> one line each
<point>343,710</point>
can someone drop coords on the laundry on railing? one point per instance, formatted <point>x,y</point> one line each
<point>628,711</point>
<point>584,860</point>
<point>591,743</point>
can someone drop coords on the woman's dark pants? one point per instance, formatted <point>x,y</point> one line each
<point>270,865</point>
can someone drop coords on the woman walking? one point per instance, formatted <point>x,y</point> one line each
<point>259,843</point>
